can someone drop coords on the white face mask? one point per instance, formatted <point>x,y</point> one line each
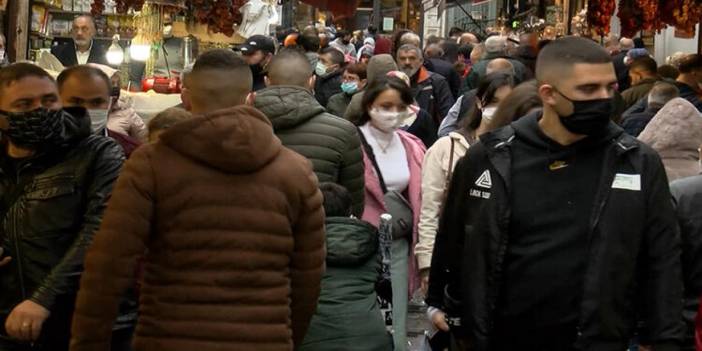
<point>2,54</point>
<point>321,69</point>
<point>488,112</point>
<point>98,119</point>
<point>386,121</point>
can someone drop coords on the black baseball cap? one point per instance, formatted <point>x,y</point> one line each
<point>258,42</point>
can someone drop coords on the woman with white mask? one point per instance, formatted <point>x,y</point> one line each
<point>393,166</point>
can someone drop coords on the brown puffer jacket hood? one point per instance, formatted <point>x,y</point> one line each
<point>235,140</point>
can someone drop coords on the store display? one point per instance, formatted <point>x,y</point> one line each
<point>630,16</point>
<point>683,14</point>
<point>599,15</point>
<point>256,16</point>
<point>219,15</point>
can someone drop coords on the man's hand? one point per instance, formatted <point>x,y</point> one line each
<point>5,260</point>
<point>424,280</point>
<point>25,321</point>
<point>439,321</point>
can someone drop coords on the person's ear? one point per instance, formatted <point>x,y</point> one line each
<point>251,99</point>
<point>362,83</point>
<point>547,94</point>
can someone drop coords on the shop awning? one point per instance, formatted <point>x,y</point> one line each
<point>336,7</point>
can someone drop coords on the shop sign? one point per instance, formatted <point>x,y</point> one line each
<point>388,24</point>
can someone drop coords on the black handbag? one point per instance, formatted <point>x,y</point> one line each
<point>395,203</point>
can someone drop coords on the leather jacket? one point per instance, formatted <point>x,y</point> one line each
<point>51,205</point>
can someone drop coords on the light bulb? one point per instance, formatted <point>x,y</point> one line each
<point>115,54</point>
<point>140,49</point>
<point>140,52</point>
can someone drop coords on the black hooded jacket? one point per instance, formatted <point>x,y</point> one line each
<point>52,204</point>
<point>632,270</point>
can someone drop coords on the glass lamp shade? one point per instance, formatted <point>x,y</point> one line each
<point>115,54</point>
<point>140,49</point>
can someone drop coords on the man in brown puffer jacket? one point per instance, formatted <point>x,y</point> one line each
<point>233,224</point>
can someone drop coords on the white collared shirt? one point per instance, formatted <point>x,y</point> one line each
<point>83,56</point>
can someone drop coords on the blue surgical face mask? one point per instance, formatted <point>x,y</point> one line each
<point>349,87</point>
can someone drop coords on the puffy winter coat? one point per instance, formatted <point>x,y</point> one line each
<point>235,250</point>
<point>676,133</point>
<point>338,104</point>
<point>348,317</point>
<point>60,197</point>
<point>330,142</point>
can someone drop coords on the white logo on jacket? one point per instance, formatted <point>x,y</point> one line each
<point>485,182</point>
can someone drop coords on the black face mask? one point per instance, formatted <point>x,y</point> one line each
<point>589,117</point>
<point>36,129</point>
<point>346,42</point>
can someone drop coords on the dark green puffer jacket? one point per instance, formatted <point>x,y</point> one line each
<point>348,317</point>
<point>330,142</point>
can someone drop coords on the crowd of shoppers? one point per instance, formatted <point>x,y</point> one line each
<point>524,212</point>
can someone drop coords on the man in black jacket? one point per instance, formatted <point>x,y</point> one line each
<point>444,68</point>
<point>329,70</point>
<point>258,50</point>
<point>430,90</point>
<point>55,179</point>
<point>558,232</point>
<point>687,194</point>
<point>83,49</point>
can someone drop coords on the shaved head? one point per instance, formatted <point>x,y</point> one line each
<point>500,65</point>
<point>290,67</point>
<point>433,51</point>
<point>556,60</point>
<point>626,44</point>
<point>219,79</point>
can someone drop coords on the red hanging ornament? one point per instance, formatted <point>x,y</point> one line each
<point>599,15</point>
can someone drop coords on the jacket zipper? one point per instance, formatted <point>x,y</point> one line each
<point>602,195</point>
<point>18,257</point>
<point>501,250</point>
<point>16,238</point>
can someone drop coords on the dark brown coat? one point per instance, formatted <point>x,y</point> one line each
<point>233,224</point>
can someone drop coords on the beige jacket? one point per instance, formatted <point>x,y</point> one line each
<point>434,171</point>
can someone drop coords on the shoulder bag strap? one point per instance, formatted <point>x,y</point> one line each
<point>450,165</point>
<point>371,156</point>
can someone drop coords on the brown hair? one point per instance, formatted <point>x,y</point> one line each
<point>167,118</point>
<point>358,69</point>
<point>523,98</point>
